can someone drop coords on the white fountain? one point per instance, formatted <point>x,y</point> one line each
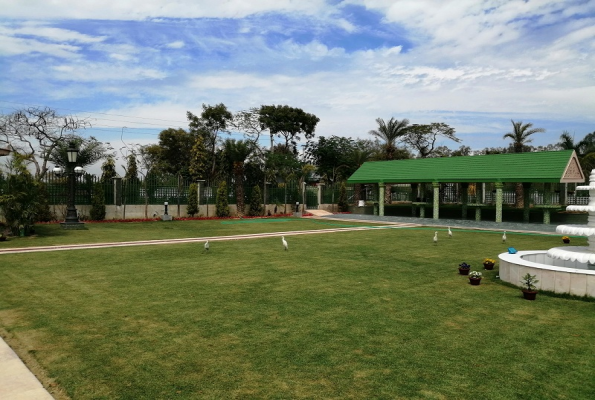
<point>569,269</point>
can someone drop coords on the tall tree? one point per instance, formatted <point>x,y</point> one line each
<point>288,122</point>
<point>389,133</point>
<point>212,122</point>
<point>108,170</point>
<point>332,157</point>
<point>236,153</point>
<point>423,138</point>
<point>521,135</point>
<point>175,151</point>
<point>35,132</point>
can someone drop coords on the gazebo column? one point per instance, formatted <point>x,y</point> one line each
<point>381,188</point>
<point>464,199</point>
<point>436,211</point>
<point>499,187</point>
<point>526,201</point>
<point>547,201</point>
<point>563,199</point>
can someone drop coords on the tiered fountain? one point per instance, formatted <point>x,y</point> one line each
<point>569,269</point>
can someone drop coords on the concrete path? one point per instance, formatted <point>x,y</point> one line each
<point>16,381</point>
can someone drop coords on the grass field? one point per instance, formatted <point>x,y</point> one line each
<point>369,314</point>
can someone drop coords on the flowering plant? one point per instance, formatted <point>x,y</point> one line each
<point>464,266</point>
<point>489,261</point>
<point>565,238</point>
<point>475,275</point>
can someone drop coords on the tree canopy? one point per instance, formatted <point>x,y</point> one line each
<point>288,122</point>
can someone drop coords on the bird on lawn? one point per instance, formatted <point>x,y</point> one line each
<point>284,242</point>
<point>449,233</point>
<point>435,237</point>
<point>504,237</point>
<point>207,245</point>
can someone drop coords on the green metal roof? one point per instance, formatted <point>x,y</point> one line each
<point>547,166</point>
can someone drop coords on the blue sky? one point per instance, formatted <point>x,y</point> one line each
<point>134,68</point>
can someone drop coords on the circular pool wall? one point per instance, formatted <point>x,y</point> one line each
<point>555,275</point>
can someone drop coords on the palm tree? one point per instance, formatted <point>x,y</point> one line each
<point>236,153</point>
<point>390,132</point>
<point>567,143</point>
<point>520,136</point>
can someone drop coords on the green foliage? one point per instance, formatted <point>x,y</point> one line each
<point>97,212</point>
<point>131,168</point>
<point>389,132</point>
<point>256,208</point>
<point>22,202</point>
<point>222,205</point>
<point>332,157</point>
<point>198,159</point>
<point>90,151</point>
<point>529,282</point>
<point>108,170</point>
<point>342,202</point>
<point>521,135</point>
<point>288,122</point>
<point>192,207</point>
<point>423,138</point>
<point>175,148</point>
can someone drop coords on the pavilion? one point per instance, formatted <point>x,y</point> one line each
<point>526,168</point>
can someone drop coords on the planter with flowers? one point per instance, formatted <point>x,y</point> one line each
<point>475,277</point>
<point>464,268</point>
<point>565,239</point>
<point>529,288</point>
<point>488,263</point>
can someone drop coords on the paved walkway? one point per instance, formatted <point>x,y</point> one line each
<point>18,383</point>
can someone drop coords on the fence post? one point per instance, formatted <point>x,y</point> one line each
<point>320,187</point>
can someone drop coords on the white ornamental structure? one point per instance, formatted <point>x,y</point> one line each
<point>581,254</point>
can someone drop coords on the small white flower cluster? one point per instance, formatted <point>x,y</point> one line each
<point>475,274</point>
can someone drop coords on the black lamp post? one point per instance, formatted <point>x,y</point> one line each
<point>72,220</point>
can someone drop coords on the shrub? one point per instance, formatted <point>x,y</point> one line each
<point>222,205</point>
<point>192,207</point>
<point>97,212</point>
<point>255,208</point>
<point>342,203</point>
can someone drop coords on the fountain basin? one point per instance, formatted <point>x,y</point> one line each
<point>555,275</point>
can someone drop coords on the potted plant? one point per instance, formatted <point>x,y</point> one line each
<point>529,288</point>
<point>464,268</point>
<point>475,277</point>
<point>488,263</point>
<point>2,237</point>
<point>565,239</point>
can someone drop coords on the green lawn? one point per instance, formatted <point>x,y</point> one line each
<point>370,314</point>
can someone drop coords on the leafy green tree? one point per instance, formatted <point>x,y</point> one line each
<point>175,149</point>
<point>131,168</point>
<point>22,202</point>
<point>108,170</point>
<point>236,153</point>
<point>222,206</point>
<point>212,122</point>
<point>97,212</point>
<point>288,122</point>
<point>389,133</point>
<point>521,135</point>
<point>198,159</point>
<point>192,207</point>
<point>423,138</point>
<point>256,209</point>
<point>332,157</point>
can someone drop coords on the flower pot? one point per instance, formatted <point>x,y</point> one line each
<point>566,241</point>
<point>489,266</point>
<point>529,294</point>
<point>464,271</point>
<point>474,281</point>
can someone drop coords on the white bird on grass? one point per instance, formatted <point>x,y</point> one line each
<point>284,243</point>
<point>449,233</point>
<point>207,245</point>
<point>504,237</point>
<point>436,237</point>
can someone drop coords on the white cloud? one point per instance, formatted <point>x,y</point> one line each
<point>143,9</point>
<point>178,44</point>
